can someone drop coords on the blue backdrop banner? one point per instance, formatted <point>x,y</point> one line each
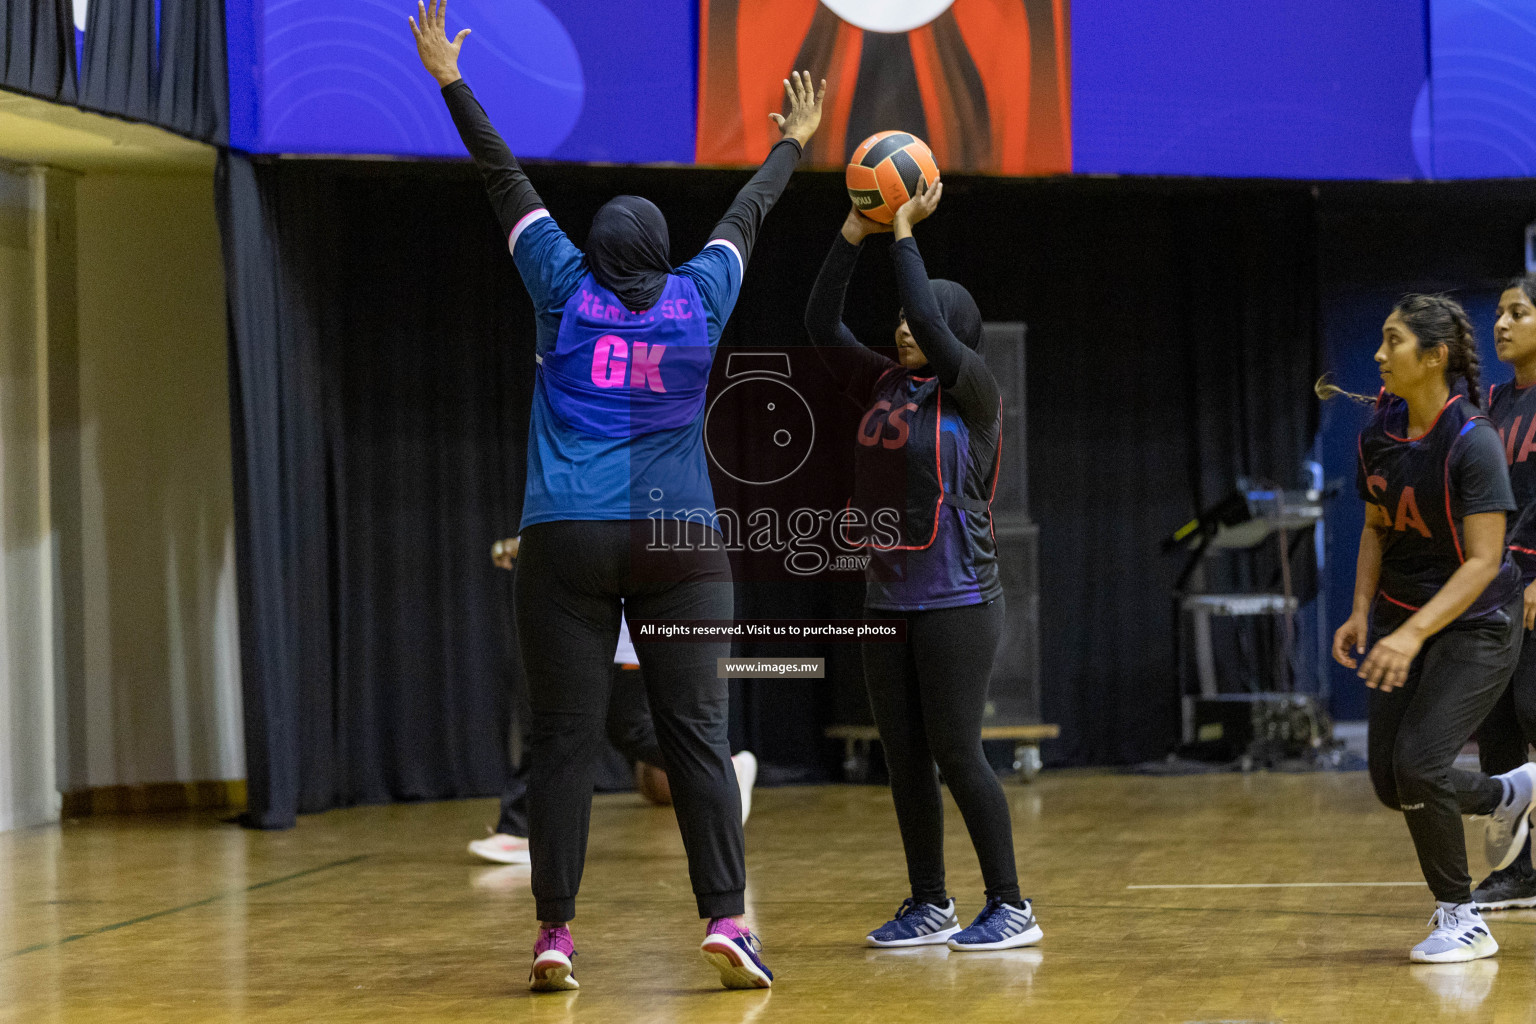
<point>575,80</point>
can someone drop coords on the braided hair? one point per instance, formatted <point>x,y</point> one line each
<point>1439,320</point>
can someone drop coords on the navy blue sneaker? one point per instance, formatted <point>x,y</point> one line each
<point>916,924</point>
<point>1000,926</point>
<point>733,951</point>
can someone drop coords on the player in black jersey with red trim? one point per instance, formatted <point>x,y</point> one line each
<point>1438,606</point>
<point>1502,740</point>
<point>926,459</point>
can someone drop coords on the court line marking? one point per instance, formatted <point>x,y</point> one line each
<point>1285,885</point>
<point>1504,921</point>
<point>185,906</point>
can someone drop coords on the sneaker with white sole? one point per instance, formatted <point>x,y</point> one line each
<point>745,764</point>
<point>916,924</point>
<point>1506,828</point>
<point>1459,935</point>
<point>500,848</point>
<point>999,926</point>
<point>552,955</point>
<point>734,952</point>
<point>1514,888</point>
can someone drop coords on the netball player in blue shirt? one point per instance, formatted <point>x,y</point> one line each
<point>623,352</point>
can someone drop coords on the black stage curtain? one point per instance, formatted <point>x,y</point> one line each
<point>381,341</point>
<point>39,53</point>
<point>175,76</point>
<point>373,381</point>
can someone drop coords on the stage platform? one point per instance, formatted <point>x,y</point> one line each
<point>1207,898</point>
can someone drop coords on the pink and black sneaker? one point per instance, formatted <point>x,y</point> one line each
<point>552,961</point>
<point>733,951</point>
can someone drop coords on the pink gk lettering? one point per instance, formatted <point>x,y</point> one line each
<point>608,357</point>
<point>647,367</point>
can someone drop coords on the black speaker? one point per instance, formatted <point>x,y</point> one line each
<point>1014,696</point>
<point>1002,346</point>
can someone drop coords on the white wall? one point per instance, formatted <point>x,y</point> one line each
<point>161,643</point>
<point>119,644</point>
<point>28,786</point>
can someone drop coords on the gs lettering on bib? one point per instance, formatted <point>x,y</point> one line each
<point>909,462</point>
<point>618,373</point>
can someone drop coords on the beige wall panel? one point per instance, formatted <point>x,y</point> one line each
<point>161,639</point>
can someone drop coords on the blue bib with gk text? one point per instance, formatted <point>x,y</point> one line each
<point>617,373</point>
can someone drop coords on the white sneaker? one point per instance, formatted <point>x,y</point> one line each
<point>499,848</point>
<point>1459,935</point>
<point>745,764</point>
<point>1506,828</point>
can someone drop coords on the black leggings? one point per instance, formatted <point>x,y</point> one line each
<point>928,696</point>
<point>1417,730</point>
<point>1504,736</point>
<point>571,580</point>
<point>629,729</point>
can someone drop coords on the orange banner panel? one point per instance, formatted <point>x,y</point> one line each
<point>983,82</point>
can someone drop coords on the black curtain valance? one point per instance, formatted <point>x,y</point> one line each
<point>162,62</point>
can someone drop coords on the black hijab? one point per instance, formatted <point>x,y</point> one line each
<point>629,252</point>
<point>960,313</point>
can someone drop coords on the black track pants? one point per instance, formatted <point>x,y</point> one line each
<point>928,696</point>
<point>629,729</point>
<point>571,580</point>
<point>1417,730</point>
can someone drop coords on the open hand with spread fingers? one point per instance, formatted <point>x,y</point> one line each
<point>804,107</point>
<point>439,54</point>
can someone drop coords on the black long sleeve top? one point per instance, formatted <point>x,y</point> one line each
<point>958,565</point>
<point>962,373</point>
<point>513,196</point>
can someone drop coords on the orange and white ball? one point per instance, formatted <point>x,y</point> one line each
<point>885,171</point>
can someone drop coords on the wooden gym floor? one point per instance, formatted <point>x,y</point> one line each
<point>378,915</point>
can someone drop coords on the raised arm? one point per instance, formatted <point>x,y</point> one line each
<point>549,264</point>
<point>745,216</point>
<point>824,309</point>
<point>961,370</point>
<point>512,194</point>
<point>854,367</point>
